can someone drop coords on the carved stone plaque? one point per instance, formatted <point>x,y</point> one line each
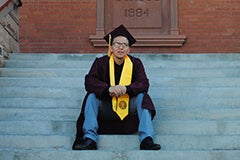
<point>137,14</point>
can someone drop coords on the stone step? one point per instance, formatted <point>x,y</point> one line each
<point>40,103</point>
<point>120,155</point>
<point>22,92</point>
<point>43,73</point>
<point>156,92</point>
<point>62,82</point>
<point>48,64</point>
<point>124,142</point>
<point>161,64</point>
<point>192,73</point>
<point>188,92</point>
<point>151,72</point>
<point>171,102</point>
<point>53,56</point>
<point>71,114</point>
<point>196,102</point>
<point>163,127</point>
<point>169,64</point>
<point>209,82</point>
<point>198,114</point>
<point>69,82</point>
<point>75,102</point>
<point>190,57</point>
<point>147,57</point>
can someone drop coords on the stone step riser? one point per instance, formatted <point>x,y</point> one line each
<point>59,114</point>
<point>75,102</point>
<point>51,56</point>
<point>147,57</point>
<point>67,82</point>
<point>151,73</point>
<point>120,155</point>
<point>164,127</point>
<point>172,102</point>
<point>163,64</point>
<point>157,92</point>
<point>123,143</point>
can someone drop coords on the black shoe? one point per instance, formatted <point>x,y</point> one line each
<point>147,144</point>
<point>87,144</point>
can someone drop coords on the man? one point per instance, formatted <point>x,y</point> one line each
<point>117,101</point>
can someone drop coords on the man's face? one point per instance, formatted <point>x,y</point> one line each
<point>120,47</point>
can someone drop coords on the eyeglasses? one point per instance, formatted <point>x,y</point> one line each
<point>118,44</point>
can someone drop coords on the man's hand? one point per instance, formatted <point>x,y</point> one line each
<point>117,91</point>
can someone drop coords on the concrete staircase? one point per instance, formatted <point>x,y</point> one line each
<point>196,95</point>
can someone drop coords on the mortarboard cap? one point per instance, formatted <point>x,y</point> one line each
<point>120,31</point>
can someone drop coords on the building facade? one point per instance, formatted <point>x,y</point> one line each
<point>66,26</point>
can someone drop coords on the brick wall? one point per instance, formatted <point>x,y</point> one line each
<point>64,26</point>
<point>211,25</point>
<point>57,25</point>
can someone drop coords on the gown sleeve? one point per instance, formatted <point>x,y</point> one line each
<point>96,79</point>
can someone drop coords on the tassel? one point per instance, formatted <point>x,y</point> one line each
<point>109,45</point>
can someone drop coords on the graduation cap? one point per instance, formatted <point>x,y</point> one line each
<point>119,31</point>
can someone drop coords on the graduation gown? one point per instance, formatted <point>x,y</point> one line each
<point>97,81</point>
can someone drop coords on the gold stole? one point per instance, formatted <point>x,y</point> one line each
<point>120,105</point>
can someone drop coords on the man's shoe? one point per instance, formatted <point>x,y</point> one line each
<point>147,144</point>
<point>87,144</point>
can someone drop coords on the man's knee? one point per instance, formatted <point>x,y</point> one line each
<point>91,96</point>
<point>136,103</point>
<point>92,102</point>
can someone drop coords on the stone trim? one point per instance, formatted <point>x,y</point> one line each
<point>5,3</point>
<point>9,28</point>
<point>171,40</point>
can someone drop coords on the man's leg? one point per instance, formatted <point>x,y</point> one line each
<point>145,128</point>
<point>90,125</point>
